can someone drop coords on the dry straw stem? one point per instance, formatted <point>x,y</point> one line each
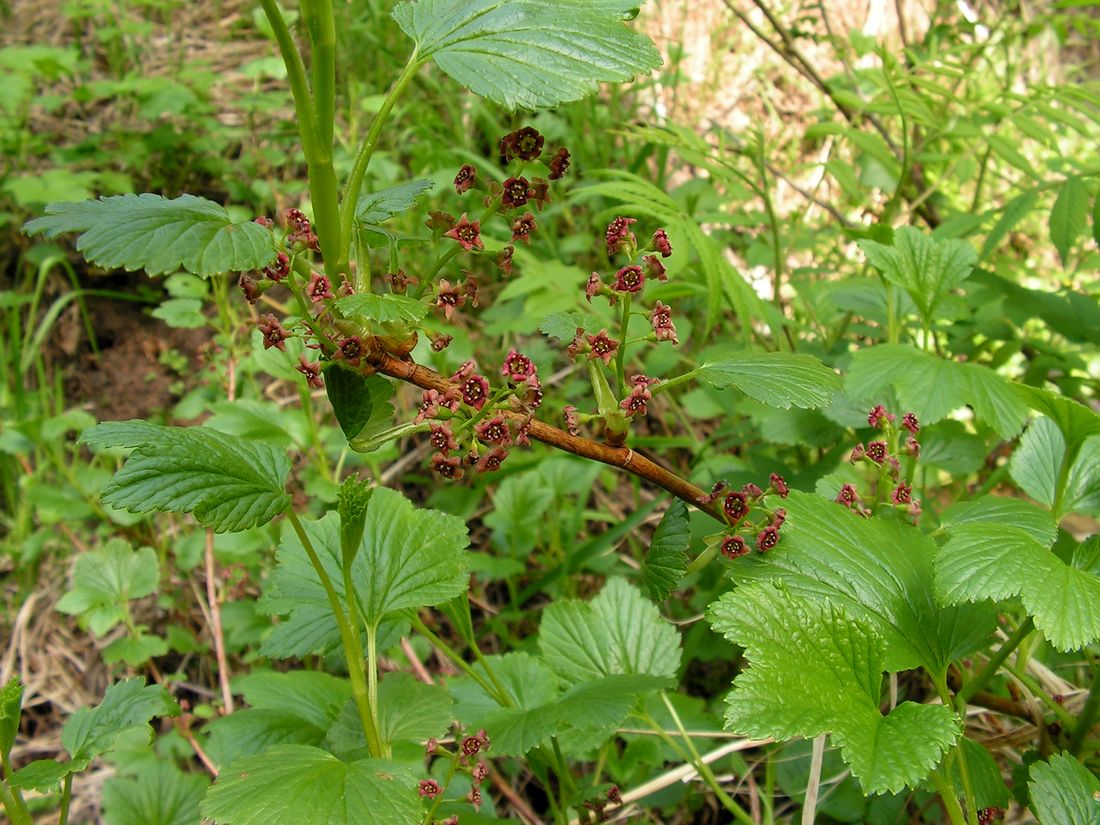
<point>624,458</point>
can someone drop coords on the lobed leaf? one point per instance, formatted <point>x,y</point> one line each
<point>666,560</point>
<point>1065,792</point>
<point>999,561</point>
<point>778,379</point>
<point>528,53</point>
<point>229,484</point>
<point>1037,463</point>
<point>159,795</point>
<point>375,207</point>
<point>159,235</point>
<point>383,308</point>
<point>105,580</point>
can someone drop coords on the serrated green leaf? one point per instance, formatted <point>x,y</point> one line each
<point>375,207</point>
<point>134,649</point>
<point>1075,421</point>
<point>1036,467</point>
<point>1065,792</point>
<point>159,235</point>
<point>1069,217</point>
<point>349,393</point>
<point>410,709</point>
<point>778,379</point>
<point>250,732</point>
<point>1003,510</point>
<point>379,427</point>
<point>814,669</point>
<point>983,776</point>
<point>228,484</point>
<point>43,775</point>
<point>932,387</point>
<point>181,313</point>
<point>105,580</point>
<point>311,696</point>
<point>127,706</point>
<point>383,308</point>
<point>666,560</point>
<point>618,632</point>
<point>562,325</point>
<point>1014,211</point>
<point>11,703</point>
<point>293,784</point>
<point>999,561</point>
<point>527,53</point>
<point>878,571</point>
<point>159,795</point>
<point>923,265</point>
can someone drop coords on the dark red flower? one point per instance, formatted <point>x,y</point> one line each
<point>467,233</point>
<point>847,496</point>
<point>274,333</point>
<point>517,367</point>
<point>858,452</point>
<point>429,788</point>
<point>480,773</point>
<point>635,403</point>
<point>440,342</point>
<point>767,539</point>
<point>878,415</point>
<point>735,506</point>
<point>399,282</point>
<point>734,546</point>
<point>429,406</point>
<point>448,298</point>
<point>779,485</point>
<point>629,279</point>
<point>312,372</point>
<point>593,287</point>
<point>300,231</point>
<point>516,193</point>
<point>715,492</point>
<point>576,344</point>
<point>319,288</point>
<point>559,164</point>
<point>778,518</point>
<point>474,798</point>
<point>523,227</point>
<point>465,179</point>
<point>912,446</point>
<point>491,461</point>
<point>613,795</point>
<point>439,221</point>
<point>249,287</point>
<point>465,371</point>
<point>527,143</point>
<point>572,421</point>
<point>351,350</point>
<point>475,391</point>
<point>661,320</point>
<point>661,243</point>
<point>876,451</point>
<point>264,221</point>
<point>442,437</point>
<point>909,421</point>
<point>471,746</point>
<point>447,466</point>
<point>533,391</point>
<point>540,193</point>
<point>618,235</point>
<point>493,431</point>
<point>752,490</point>
<point>504,259</point>
<point>602,346</point>
<point>469,286</point>
<point>277,269</point>
<point>654,268</point>
<point>902,494</point>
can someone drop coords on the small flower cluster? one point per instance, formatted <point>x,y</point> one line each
<point>884,455</point>
<point>468,410</point>
<point>599,805</point>
<point>738,505</point>
<point>465,757</point>
<point>299,237</point>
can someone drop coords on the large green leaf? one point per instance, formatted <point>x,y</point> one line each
<point>159,795</point>
<point>778,379</point>
<point>383,308</point>
<point>228,483</point>
<point>159,235</point>
<point>998,561</point>
<point>1036,467</point>
<point>351,398</point>
<point>1069,216</point>
<point>878,570</point>
<point>926,267</point>
<point>666,560</point>
<point>1075,421</point>
<point>932,387</point>
<point>105,580</point>
<point>527,53</point>
<point>1003,510</point>
<point>294,784</point>
<point>1065,792</point>
<point>127,706</point>
<point>814,668</point>
<point>382,204</point>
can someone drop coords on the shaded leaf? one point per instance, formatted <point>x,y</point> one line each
<point>349,393</point>
<point>778,379</point>
<point>1069,217</point>
<point>159,795</point>
<point>1064,792</point>
<point>666,560</point>
<point>381,205</point>
<point>104,580</point>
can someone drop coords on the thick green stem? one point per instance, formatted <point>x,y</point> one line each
<point>296,74</point>
<point>366,150</point>
<point>353,651</point>
<point>1087,716</point>
<point>66,800</point>
<point>993,665</point>
<point>14,806</point>
<point>950,801</point>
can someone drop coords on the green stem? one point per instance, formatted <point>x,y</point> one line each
<point>14,805</point>
<point>620,356</point>
<point>439,798</point>
<point>993,665</point>
<point>968,789</point>
<point>372,674</point>
<point>353,651</point>
<point>323,38</point>
<point>362,159</point>
<point>1087,716</point>
<point>295,72</point>
<point>66,800</point>
<point>950,801</point>
<point>502,698</point>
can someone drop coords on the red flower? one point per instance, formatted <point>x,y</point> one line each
<point>752,490</point>
<point>399,282</point>
<point>912,446</point>
<point>448,298</point>
<point>635,403</point>
<point>471,745</point>
<point>778,518</point>
<point>527,143</point>
<point>714,493</point>
<point>493,431</point>
<point>277,269</point>
<point>847,496</point>
<point>523,227</point>
<point>602,347</point>
<point>447,466</point>
<point>576,344</point>
<point>465,179</point>
<point>593,287</point>
<point>319,288</point>
<point>429,406</point>
<point>312,372</point>
<point>249,288</point>
<point>768,538</point>
<point>572,421</point>
<point>491,461</point>
<point>878,415</point>
<point>274,333</point>
<point>735,506</point>
<point>300,230</point>
<point>464,372</point>
<point>876,451</point>
<point>439,220</point>
<point>442,437</point>
<point>661,320</point>
<point>909,421</point>
<point>661,243</point>
<point>440,342</point>
<point>559,163</point>
<point>734,546</point>
<point>480,773</point>
<point>779,485</point>
<point>467,233</point>
<point>540,193</point>
<point>654,268</point>
<point>902,494</point>
<point>618,235</point>
<point>629,279</point>
<point>504,259</point>
<point>516,193</point>
<point>475,391</point>
<point>351,350</point>
<point>429,788</point>
<point>517,367</point>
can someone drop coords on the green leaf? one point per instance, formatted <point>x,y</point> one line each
<point>813,669</point>
<point>618,632</point>
<point>378,429</point>
<point>1064,792</point>
<point>349,393</point>
<point>563,325</point>
<point>1069,217</point>
<point>932,387</point>
<point>527,53</point>
<point>666,560</point>
<point>251,731</point>
<point>878,571</point>
<point>383,308</point>
<point>999,561</point>
<point>182,313</point>
<point>228,483</point>
<point>1003,510</point>
<point>1075,421</point>
<point>924,266</point>
<point>375,207</point>
<point>127,707</point>
<point>42,775</point>
<point>778,379</point>
<point>1014,211</point>
<point>105,580</point>
<point>11,703</point>
<point>410,709</point>
<point>293,784</point>
<point>159,795</point>
<point>983,776</point>
<point>1036,467</point>
<point>135,649</point>
<point>159,235</point>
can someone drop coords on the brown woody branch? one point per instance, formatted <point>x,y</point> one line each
<point>625,458</point>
